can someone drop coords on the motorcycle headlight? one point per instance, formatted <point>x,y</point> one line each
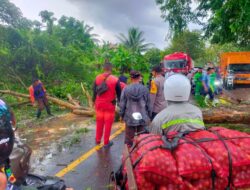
<point>217,83</point>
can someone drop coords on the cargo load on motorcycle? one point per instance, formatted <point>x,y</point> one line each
<point>217,158</point>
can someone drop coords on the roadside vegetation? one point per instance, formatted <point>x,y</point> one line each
<point>63,52</point>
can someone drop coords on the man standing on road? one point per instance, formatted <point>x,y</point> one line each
<point>38,92</point>
<point>134,99</point>
<point>157,100</point>
<point>208,84</point>
<point>198,82</point>
<point>106,88</point>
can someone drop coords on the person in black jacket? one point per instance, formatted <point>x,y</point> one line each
<point>134,99</point>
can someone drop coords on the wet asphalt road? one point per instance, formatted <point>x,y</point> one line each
<point>94,172</point>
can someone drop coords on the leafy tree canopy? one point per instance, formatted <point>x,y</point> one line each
<point>134,40</point>
<point>227,20</point>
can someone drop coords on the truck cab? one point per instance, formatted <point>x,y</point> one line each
<point>235,65</point>
<point>177,62</point>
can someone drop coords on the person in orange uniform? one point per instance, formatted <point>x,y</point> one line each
<point>106,88</point>
<point>38,92</point>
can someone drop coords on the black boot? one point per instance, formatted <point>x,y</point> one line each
<point>48,111</point>
<point>38,114</point>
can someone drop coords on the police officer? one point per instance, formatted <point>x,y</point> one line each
<point>157,100</point>
<point>180,115</point>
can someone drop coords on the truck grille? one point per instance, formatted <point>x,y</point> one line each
<point>241,78</point>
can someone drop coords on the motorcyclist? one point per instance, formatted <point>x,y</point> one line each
<point>180,115</point>
<point>7,119</point>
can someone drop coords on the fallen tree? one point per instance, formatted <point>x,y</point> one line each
<point>226,115</point>
<point>73,101</point>
<point>89,98</point>
<point>219,115</point>
<point>50,98</point>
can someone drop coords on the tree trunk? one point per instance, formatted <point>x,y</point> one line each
<point>226,115</point>
<point>89,98</point>
<point>237,114</point>
<point>52,99</point>
<point>19,104</point>
<point>72,101</point>
<point>90,113</point>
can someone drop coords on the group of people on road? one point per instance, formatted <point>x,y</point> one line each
<point>162,108</point>
<point>207,83</point>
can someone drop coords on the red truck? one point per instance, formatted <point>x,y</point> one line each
<point>178,62</point>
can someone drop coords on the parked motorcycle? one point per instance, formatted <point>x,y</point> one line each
<point>229,81</point>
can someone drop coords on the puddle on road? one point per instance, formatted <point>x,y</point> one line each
<point>46,139</point>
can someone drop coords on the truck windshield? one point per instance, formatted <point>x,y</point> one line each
<point>240,68</point>
<point>172,64</point>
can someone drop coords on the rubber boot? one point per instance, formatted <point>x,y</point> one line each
<point>48,110</point>
<point>38,114</point>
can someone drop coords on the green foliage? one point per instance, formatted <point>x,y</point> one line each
<point>226,20</point>
<point>66,53</point>
<point>212,53</point>
<point>189,42</point>
<point>153,57</point>
<point>75,137</point>
<point>60,89</point>
<point>177,13</point>
<point>82,130</point>
<point>125,60</point>
<point>229,21</point>
<point>9,13</point>
<point>47,17</point>
<point>134,40</point>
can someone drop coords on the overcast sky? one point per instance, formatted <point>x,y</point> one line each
<point>109,17</point>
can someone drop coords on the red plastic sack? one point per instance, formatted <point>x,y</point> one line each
<point>240,139</point>
<point>187,168</point>
<point>218,152</point>
<point>143,183</point>
<point>241,173</point>
<point>158,166</point>
<point>241,177</point>
<point>191,161</point>
<point>185,186</point>
<point>206,184</point>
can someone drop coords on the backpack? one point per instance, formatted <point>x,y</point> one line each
<point>103,87</point>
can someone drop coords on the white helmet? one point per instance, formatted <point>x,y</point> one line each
<point>177,88</point>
